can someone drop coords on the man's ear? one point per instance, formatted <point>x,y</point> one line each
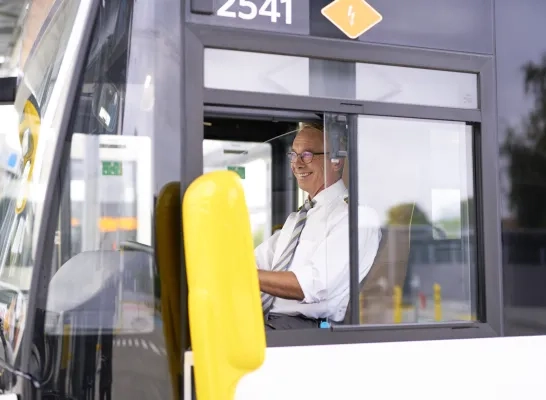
<point>338,167</point>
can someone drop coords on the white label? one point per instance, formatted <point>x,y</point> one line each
<point>248,10</point>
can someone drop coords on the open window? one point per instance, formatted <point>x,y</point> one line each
<point>405,252</point>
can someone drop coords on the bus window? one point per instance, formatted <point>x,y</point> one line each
<point>252,162</point>
<point>120,200</point>
<point>20,197</point>
<point>416,259</point>
<point>418,175</point>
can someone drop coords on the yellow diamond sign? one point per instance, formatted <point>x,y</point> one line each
<point>352,17</point>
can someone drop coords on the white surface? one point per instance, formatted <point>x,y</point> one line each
<point>256,72</point>
<point>484,369</point>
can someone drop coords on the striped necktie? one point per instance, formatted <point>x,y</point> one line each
<point>288,254</point>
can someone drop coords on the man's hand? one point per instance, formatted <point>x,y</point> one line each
<point>280,284</point>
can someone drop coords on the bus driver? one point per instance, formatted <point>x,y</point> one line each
<point>303,269</point>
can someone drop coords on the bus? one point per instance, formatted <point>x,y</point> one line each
<point>151,160</point>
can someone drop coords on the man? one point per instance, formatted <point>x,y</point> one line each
<point>303,269</point>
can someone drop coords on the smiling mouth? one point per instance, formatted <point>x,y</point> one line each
<point>303,175</point>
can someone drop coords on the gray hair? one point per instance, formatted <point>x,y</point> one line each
<point>319,126</point>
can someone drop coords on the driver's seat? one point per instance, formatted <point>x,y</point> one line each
<point>387,272</point>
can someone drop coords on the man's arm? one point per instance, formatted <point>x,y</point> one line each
<point>283,284</point>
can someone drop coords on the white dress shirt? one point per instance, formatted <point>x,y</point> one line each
<point>321,259</point>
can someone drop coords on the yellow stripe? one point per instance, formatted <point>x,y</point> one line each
<point>113,224</point>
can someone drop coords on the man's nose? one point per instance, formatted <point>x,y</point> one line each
<point>298,163</point>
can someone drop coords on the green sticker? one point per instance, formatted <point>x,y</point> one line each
<point>112,168</point>
<point>238,170</point>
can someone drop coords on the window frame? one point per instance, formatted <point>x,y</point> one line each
<point>65,88</point>
<point>85,31</point>
<point>485,161</point>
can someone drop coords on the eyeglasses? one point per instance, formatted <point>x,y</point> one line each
<point>306,156</point>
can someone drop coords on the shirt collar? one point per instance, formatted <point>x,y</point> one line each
<point>330,193</point>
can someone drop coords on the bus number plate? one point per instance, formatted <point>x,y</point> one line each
<point>276,11</point>
<point>286,16</point>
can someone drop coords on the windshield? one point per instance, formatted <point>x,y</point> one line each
<point>19,147</point>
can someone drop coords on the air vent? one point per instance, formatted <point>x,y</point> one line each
<point>235,151</point>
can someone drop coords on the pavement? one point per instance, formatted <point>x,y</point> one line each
<point>140,365</point>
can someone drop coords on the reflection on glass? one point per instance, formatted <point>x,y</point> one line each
<point>110,208</point>
<point>110,183</point>
<point>446,213</point>
<point>393,84</point>
<point>21,177</point>
<point>103,318</point>
<point>256,72</point>
<point>418,175</point>
<point>252,162</point>
<point>281,74</point>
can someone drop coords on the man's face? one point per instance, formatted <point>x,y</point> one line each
<point>312,177</point>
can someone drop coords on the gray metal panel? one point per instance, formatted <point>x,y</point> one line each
<point>462,25</point>
<point>522,173</point>
<point>371,334</point>
<point>279,43</point>
<point>354,251</point>
<point>202,6</point>
<point>191,138</point>
<point>489,209</point>
<point>192,110</point>
<point>301,103</point>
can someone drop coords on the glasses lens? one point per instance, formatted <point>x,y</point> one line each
<point>307,157</point>
<point>291,156</point>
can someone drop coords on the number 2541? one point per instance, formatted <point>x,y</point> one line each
<point>268,9</point>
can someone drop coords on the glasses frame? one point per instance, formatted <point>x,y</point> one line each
<point>293,156</point>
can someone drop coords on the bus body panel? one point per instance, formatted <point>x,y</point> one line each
<point>508,368</point>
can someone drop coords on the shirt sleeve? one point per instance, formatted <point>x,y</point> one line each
<point>264,252</point>
<point>326,274</point>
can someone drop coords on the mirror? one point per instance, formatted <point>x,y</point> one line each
<point>103,292</point>
<point>105,106</point>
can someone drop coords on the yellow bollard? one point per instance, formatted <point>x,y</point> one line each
<point>437,302</point>
<point>66,354</point>
<point>397,304</point>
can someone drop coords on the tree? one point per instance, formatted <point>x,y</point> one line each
<point>525,149</point>
<point>401,214</point>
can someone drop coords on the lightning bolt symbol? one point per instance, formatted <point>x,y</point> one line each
<point>351,14</point>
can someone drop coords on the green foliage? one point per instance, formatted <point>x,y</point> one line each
<point>258,236</point>
<point>452,227</point>
<point>401,215</point>
<point>525,149</point>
